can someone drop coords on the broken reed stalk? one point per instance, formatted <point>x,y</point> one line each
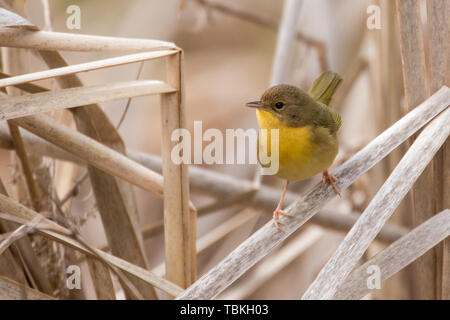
<point>416,90</point>
<point>55,41</point>
<point>179,220</point>
<point>261,242</point>
<point>84,67</point>
<point>439,61</point>
<point>397,256</point>
<point>380,209</point>
<point>12,211</point>
<point>215,184</point>
<point>26,105</point>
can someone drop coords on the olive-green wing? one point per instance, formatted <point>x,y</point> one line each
<point>336,118</point>
<point>328,118</point>
<point>325,86</point>
<point>322,90</point>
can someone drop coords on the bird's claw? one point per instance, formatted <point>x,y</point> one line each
<point>326,177</point>
<point>276,213</point>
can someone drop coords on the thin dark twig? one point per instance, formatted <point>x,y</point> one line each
<point>141,66</point>
<point>74,190</point>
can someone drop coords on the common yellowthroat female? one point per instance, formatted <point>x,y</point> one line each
<point>307,127</point>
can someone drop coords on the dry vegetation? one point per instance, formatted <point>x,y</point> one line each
<point>68,189</point>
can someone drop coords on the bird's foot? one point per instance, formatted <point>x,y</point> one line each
<point>276,213</point>
<point>326,177</point>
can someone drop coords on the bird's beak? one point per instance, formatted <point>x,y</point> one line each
<point>254,104</point>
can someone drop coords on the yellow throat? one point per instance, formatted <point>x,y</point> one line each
<point>299,156</point>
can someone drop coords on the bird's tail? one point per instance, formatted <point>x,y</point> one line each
<point>325,86</point>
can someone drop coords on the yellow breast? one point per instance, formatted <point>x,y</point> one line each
<point>300,157</point>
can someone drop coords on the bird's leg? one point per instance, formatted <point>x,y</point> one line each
<point>331,179</point>
<point>278,210</point>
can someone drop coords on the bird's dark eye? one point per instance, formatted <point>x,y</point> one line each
<point>279,105</point>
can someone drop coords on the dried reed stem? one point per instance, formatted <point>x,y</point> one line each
<point>103,286</point>
<point>417,90</point>
<point>21,152</point>
<point>44,40</point>
<point>439,64</point>
<point>386,87</point>
<point>397,256</point>
<point>26,105</point>
<point>84,67</point>
<point>179,221</point>
<point>47,16</point>
<point>286,36</point>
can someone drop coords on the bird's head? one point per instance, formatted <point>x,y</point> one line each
<point>291,105</point>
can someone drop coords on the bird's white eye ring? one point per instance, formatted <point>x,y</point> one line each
<point>279,105</point>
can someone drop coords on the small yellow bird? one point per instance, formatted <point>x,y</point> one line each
<point>307,127</point>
